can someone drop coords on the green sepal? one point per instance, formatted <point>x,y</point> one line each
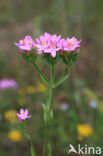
<point>49,60</point>
<point>69,58</point>
<point>30,57</point>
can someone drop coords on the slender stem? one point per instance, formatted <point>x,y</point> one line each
<point>37,68</point>
<point>51,90</point>
<point>43,77</point>
<point>32,149</point>
<point>47,146</point>
<point>24,131</point>
<point>63,74</point>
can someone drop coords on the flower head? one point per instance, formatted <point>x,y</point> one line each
<point>15,135</point>
<point>26,44</point>
<point>42,43</point>
<point>71,44</point>
<point>23,115</point>
<point>7,83</point>
<point>11,116</point>
<point>49,44</point>
<point>84,130</point>
<point>93,104</point>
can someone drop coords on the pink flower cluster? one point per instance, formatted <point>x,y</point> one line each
<point>26,44</point>
<point>49,44</point>
<point>8,83</point>
<point>23,115</point>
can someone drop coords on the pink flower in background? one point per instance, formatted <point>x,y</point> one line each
<point>8,83</point>
<point>23,115</point>
<point>26,44</point>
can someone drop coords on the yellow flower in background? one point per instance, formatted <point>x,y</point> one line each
<point>84,130</point>
<point>15,135</point>
<point>22,92</point>
<point>41,87</point>
<point>30,90</point>
<point>21,101</point>
<point>11,116</point>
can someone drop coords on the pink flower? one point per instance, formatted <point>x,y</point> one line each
<point>49,44</point>
<point>23,115</point>
<point>7,83</point>
<point>61,44</point>
<point>71,44</point>
<point>52,50</point>
<point>52,45</point>
<point>42,43</point>
<point>26,44</point>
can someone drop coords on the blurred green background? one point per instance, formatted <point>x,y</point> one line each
<point>72,101</point>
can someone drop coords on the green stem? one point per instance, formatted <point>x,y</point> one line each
<point>32,149</point>
<point>61,78</point>
<point>51,90</point>
<point>43,77</point>
<point>63,74</point>
<point>33,153</point>
<point>47,146</point>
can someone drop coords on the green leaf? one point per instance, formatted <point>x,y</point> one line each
<point>48,115</point>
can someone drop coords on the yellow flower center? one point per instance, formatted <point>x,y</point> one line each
<point>23,41</point>
<point>43,43</point>
<point>23,113</point>
<point>52,45</point>
<point>29,43</point>
<point>70,44</point>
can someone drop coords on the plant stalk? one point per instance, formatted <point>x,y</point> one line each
<point>47,145</point>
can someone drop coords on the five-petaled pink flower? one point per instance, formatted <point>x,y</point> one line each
<point>52,45</point>
<point>71,44</point>
<point>23,115</point>
<point>43,42</point>
<point>26,44</point>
